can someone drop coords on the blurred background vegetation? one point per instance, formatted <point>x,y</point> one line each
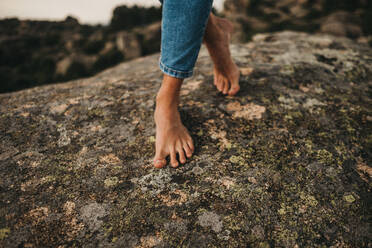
<point>41,52</point>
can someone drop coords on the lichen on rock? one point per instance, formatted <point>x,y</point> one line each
<point>92,213</point>
<point>212,220</point>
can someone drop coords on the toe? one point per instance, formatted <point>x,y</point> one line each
<point>159,160</point>
<point>173,158</point>
<point>234,89</point>
<point>226,87</point>
<point>160,163</point>
<point>181,155</point>
<point>219,84</point>
<point>190,143</point>
<point>215,77</point>
<point>187,150</point>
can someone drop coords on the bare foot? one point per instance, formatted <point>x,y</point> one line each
<point>172,137</point>
<point>217,39</point>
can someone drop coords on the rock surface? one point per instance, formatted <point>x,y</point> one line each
<point>285,163</point>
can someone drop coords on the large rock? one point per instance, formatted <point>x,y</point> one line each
<point>128,44</point>
<point>343,18</point>
<point>285,163</point>
<point>342,23</point>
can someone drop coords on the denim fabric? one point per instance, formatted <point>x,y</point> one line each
<point>183,26</point>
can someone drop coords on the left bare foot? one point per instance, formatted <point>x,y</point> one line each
<point>172,137</point>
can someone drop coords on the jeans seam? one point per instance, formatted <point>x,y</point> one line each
<point>175,73</point>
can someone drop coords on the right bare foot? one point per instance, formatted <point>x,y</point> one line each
<point>217,39</point>
<point>172,137</point>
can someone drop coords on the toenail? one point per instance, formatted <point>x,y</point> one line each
<point>159,161</point>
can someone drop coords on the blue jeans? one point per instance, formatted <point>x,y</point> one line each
<point>183,27</point>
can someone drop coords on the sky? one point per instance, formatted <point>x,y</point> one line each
<point>86,11</point>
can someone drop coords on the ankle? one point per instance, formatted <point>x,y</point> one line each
<point>169,92</point>
<point>166,110</point>
<point>167,100</point>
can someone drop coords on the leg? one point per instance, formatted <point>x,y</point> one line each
<point>183,27</point>
<point>217,38</point>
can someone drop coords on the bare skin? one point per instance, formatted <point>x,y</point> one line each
<point>217,39</point>
<point>172,137</point>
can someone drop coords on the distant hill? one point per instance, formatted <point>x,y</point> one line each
<point>41,52</point>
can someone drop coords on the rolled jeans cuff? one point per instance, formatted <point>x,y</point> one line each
<point>174,73</point>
